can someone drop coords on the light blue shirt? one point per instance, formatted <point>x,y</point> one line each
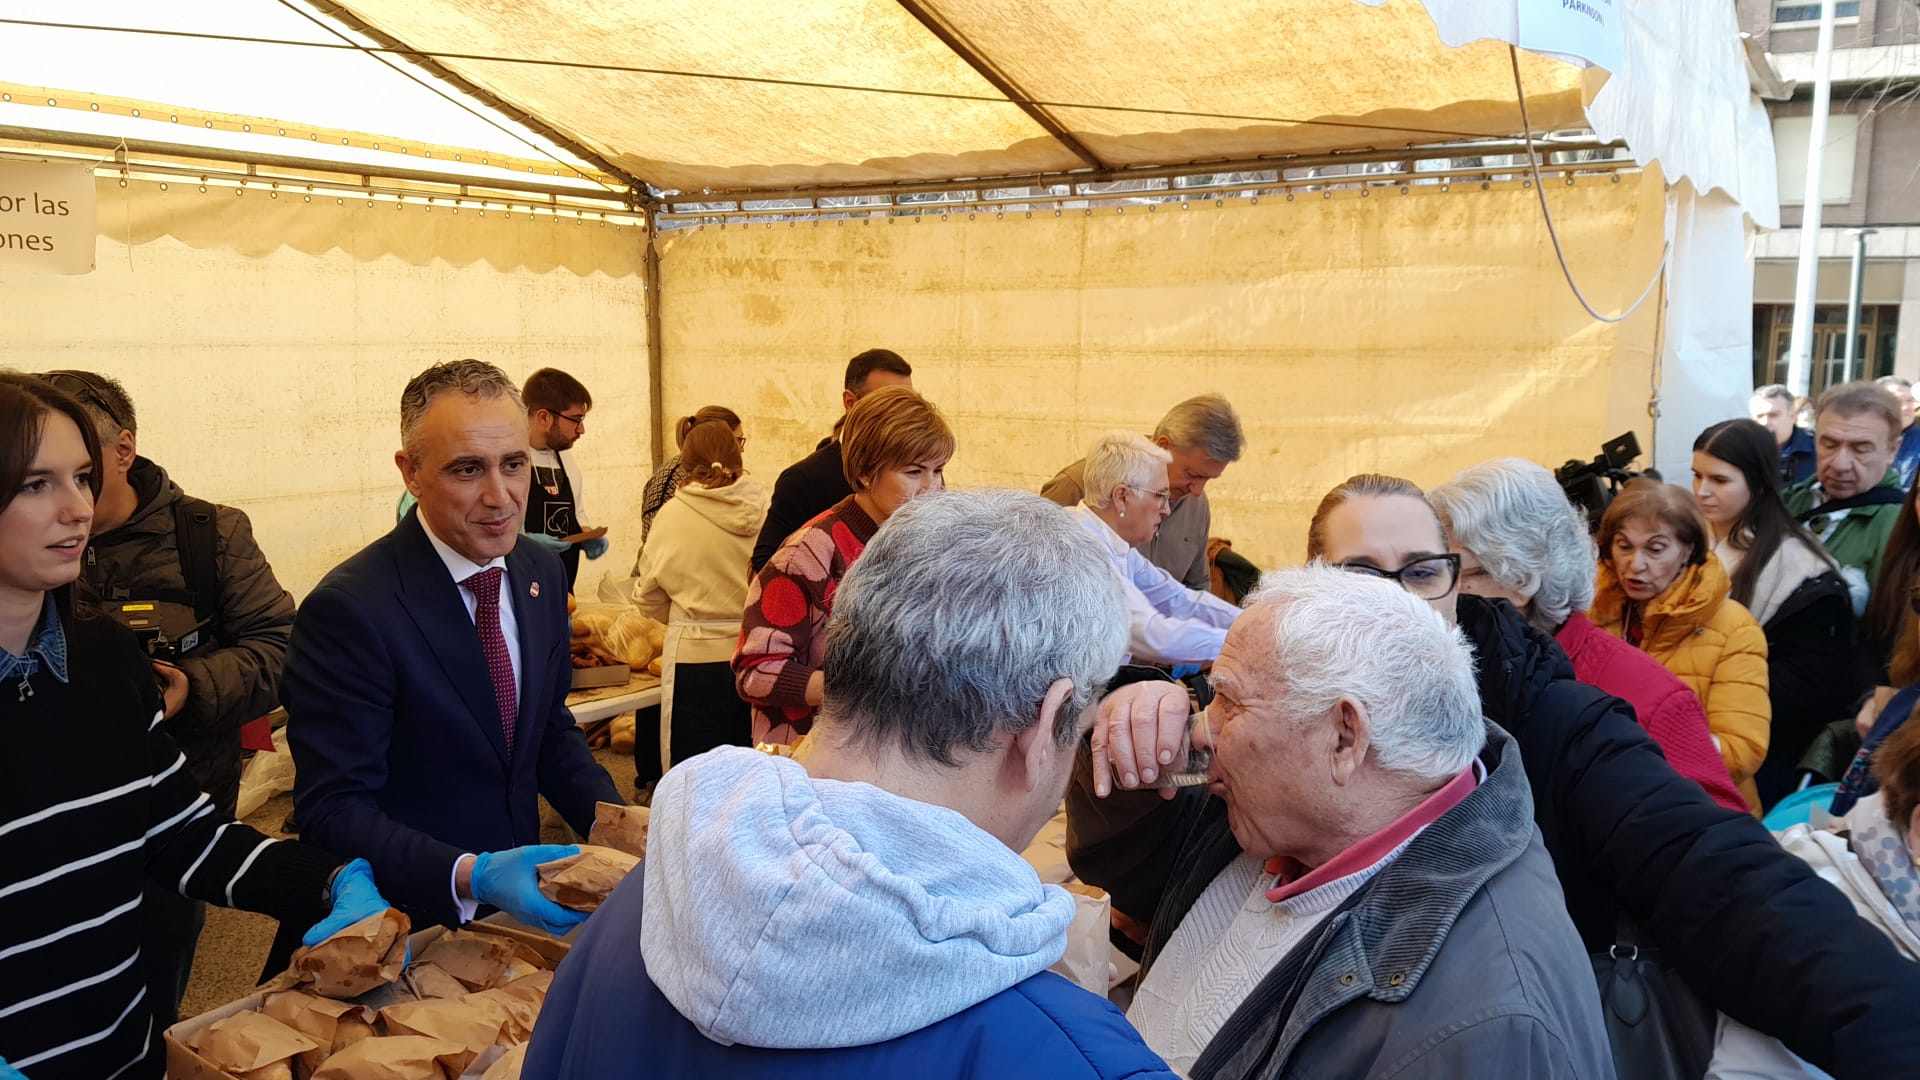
<point>48,648</point>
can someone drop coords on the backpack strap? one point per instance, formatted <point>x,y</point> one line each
<point>1873,496</point>
<point>196,535</point>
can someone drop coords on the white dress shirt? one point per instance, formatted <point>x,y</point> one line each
<point>460,568</point>
<point>1167,623</point>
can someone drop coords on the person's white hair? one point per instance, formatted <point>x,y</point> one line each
<point>1530,539</point>
<point>1123,459</point>
<point>948,631</point>
<point>1208,422</point>
<point>1337,634</point>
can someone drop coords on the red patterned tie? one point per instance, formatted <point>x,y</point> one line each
<point>485,587</point>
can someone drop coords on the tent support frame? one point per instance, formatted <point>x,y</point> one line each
<point>1503,148</point>
<point>636,187</point>
<point>1000,81</point>
<point>656,366</point>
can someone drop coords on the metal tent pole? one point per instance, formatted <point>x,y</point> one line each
<point>1801,342</point>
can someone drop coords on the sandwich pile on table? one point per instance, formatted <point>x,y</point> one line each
<point>373,1002</point>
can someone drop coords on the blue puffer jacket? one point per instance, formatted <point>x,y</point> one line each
<point>786,927</point>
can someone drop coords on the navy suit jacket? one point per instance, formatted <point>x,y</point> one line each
<point>396,739</point>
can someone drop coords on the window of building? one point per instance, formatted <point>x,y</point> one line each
<point>1799,11</point>
<point>1790,157</point>
<point>1873,349</point>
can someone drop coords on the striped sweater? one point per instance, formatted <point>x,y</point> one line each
<point>94,798</point>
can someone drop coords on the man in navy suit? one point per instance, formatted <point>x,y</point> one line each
<point>426,684</point>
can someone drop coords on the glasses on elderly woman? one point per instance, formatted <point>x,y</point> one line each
<point>1429,577</point>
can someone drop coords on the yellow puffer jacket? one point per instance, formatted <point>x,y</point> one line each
<point>1714,646</point>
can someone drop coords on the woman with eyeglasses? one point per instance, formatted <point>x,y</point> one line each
<point>95,799</point>
<point>1633,842</point>
<point>1126,500</point>
<point>1663,590</point>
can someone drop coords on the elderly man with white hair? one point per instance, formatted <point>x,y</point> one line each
<point>1202,436</point>
<point>1363,893</point>
<point>1124,505</point>
<point>1521,540</point>
<point>862,910</point>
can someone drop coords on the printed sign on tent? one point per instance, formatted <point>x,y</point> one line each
<point>46,217</point>
<point>1589,30</point>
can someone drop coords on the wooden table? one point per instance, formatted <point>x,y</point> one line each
<point>591,706</point>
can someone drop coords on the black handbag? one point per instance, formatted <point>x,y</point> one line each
<point>1657,1026</point>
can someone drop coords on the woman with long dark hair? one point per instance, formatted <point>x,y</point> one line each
<point>95,800</point>
<point>1783,576</point>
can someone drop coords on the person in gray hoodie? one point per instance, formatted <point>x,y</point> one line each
<point>692,575</point>
<point>862,910</point>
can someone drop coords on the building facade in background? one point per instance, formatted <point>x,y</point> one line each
<point>1870,179</point>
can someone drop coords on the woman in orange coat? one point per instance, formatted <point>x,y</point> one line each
<point>1661,588</point>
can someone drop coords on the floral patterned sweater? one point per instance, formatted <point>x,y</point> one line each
<point>783,630</point>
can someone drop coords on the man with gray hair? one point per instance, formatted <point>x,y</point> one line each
<point>1906,457</point>
<point>1772,408</point>
<point>1360,890</point>
<point>861,909</point>
<point>1203,436</point>
<point>426,686</point>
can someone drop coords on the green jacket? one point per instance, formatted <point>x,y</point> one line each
<point>1861,537</point>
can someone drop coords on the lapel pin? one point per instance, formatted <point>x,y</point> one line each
<point>533,589</point>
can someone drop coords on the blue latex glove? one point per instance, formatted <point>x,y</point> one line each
<point>595,547</point>
<point>508,881</point>
<point>8,1072</point>
<point>1181,671</point>
<point>551,543</point>
<point>406,503</point>
<point>354,898</point>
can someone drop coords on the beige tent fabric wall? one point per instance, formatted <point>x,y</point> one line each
<point>1412,334</point>
<point>265,343</point>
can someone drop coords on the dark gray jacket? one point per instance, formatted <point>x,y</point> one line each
<point>235,677</point>
<point>1457,960</point>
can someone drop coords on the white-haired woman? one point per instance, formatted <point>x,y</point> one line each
<point>1126,499</point>
<point>1520,540</point>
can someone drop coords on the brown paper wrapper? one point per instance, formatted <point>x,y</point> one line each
<point>472,1026</point>
<point>582,881</point>
<point>397,1057</point>
<point>1088,946</point>
<point>509,1065</point>
<point>279,1070</point>
<point>474,959</point>
<point>432,981</point>
<point>517,1005</point>
<point>250,1042</point>
<point>370,953</point>
<point>318,1019</point>
<point>622,828</point>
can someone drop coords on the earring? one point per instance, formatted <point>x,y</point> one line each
<point>1123,511</point>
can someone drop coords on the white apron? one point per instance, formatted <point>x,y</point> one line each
<point>677,632</point>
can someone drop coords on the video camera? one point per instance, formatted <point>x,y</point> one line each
<point>145,619</point>
<point>1591,485</point>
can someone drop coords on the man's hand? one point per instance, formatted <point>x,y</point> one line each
<point>1141,728</point>
<point>175,690</point>
<point>508,880</point>
<point>8,1072</point>
<point>595,547</point>
<point>354,898</point>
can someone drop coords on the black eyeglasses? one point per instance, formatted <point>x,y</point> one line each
<point>577,421</point>
<point>1429,577</point>
<point>78,385</point>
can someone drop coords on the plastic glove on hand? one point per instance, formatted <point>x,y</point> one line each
<point>595,547</point>
<point>354,898</point>
<point>551,543</point>
<point>8,1072</point>
<point>1181,671</point>
<point>508,880</point>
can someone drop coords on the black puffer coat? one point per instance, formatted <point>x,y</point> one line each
<point>1750,926</point>
<point>235,677</point>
